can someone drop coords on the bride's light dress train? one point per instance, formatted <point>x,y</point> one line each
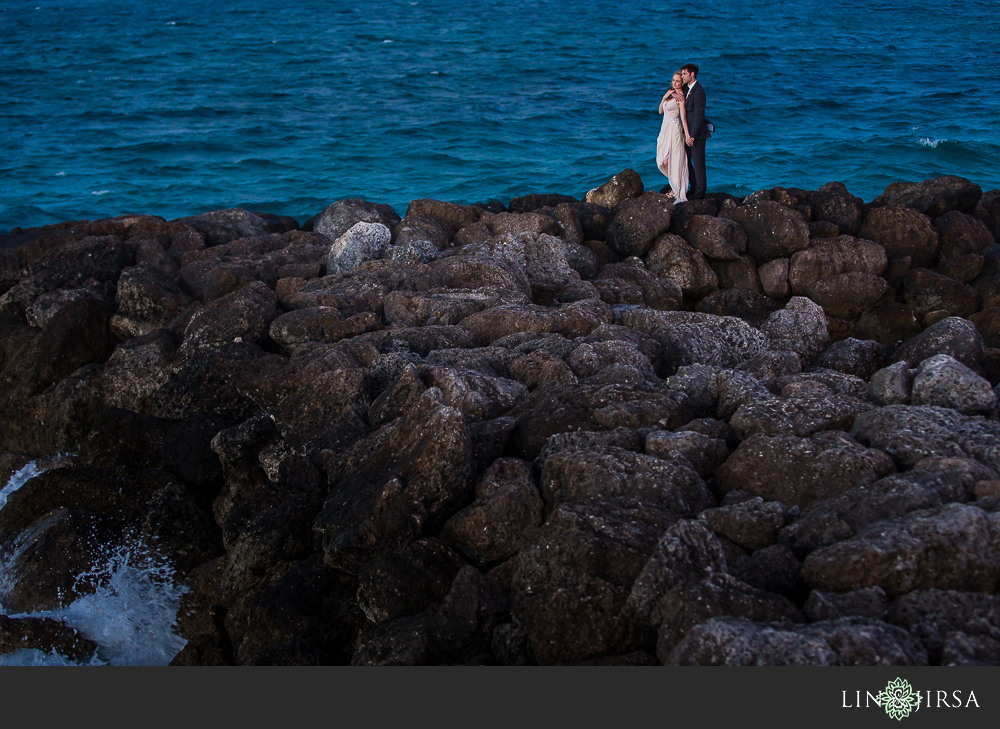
<point>671,155</point>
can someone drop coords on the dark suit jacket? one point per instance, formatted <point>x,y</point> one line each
<point>694,105</point>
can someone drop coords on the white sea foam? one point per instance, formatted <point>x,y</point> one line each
<point>928,142</point>
<point>100,192</point>
<point>130,615</point>
<point>130,609</point>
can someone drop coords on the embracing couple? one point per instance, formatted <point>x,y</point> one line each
<point>680,148</point>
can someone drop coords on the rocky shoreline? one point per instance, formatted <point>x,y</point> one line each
<point>608,431</point>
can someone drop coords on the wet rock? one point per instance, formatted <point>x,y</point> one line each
<point>319,324</point>
<point>944,381</point>
<point>798,471</point>
<point>861,358</point>
<point>507,510</point>
<point>947,547</point>
<point>844,642</point>
<point>800,327</point>
<point>925,291</point>
<point>626,184</point>
<point>892,385</point>
<point>396,485</point>
<point>570,587</point>
<point>45,635</point>
<point>637,223</point>
<point>673,259</point>
<point>952,336</point>
<point>244,315</point>
<point>932,197</point>
<point>46,558</point>
<point>406,582</point>
<point>902,231</point>
<point>752,524</point>
<point>868,602</point>
<point>717,238</point>
<point>303,614</point>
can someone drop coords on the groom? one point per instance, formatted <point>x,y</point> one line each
<point>698,128</point>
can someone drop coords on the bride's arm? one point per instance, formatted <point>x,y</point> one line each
<point>684,118</point>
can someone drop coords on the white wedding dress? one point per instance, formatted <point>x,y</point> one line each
<point>671,154</point>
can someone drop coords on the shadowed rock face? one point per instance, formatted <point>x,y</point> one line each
<point>614,431</point>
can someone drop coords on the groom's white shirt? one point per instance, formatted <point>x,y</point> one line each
<point>691,86</point>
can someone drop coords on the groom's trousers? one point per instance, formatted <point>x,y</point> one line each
<point>696,170</point>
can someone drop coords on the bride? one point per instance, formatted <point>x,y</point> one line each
<point>671,155</point>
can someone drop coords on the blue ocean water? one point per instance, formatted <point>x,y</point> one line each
<point>174,107</point>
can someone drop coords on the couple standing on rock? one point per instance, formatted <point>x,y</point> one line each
<point>680,148</point>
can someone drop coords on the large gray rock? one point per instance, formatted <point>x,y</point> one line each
<point>800,327</point>
<point>695,338</point>
<point>944,381</point>
<point>953,336</point>
<point>817,408</point>
<point>363,241</point>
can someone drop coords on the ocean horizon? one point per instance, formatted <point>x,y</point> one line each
<point>169,109</point>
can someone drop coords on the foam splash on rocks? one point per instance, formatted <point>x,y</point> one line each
<point>130,612</point>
